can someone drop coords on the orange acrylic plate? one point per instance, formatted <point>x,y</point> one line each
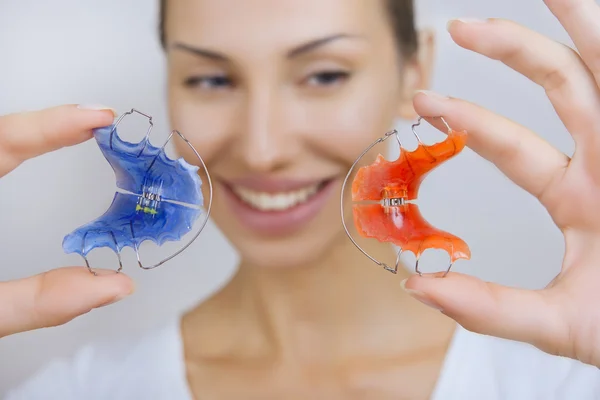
<point>403,224</point>
<point>405,227</point>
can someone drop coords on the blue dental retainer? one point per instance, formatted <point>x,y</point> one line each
<point>157,198</point>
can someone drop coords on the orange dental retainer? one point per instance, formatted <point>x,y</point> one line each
<point>385,192</point>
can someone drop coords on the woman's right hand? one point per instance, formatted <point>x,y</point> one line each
<point>57,296</point>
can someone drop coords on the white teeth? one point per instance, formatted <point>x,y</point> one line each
<point>275,201</point>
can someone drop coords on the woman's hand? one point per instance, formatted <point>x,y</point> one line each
<point>563,318</point>
<point>57,296</point>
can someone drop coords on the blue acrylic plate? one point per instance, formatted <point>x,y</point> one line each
<point>160,198</point>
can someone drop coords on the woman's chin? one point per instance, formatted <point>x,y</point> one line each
<point>286,253</point>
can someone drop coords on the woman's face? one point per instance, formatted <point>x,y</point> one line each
<point>279,97</point>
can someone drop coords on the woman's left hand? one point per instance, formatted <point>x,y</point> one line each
<point>563,318</point>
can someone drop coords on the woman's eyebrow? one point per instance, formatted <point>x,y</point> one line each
<point>294,52</point>
<point>314,44</point>
<point>213,55</point>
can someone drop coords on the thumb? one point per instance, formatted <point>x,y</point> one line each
<point>490,309</point>
<point>56,297</point>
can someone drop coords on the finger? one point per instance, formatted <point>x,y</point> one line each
<point>56,297</point>
<point>568,83</point>
<point>580,20</point>
<point>30,134</point>
<point>491,309</point>
<point>524,157</point>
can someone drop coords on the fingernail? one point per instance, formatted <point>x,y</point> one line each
<point>114,300</point>
<point>97,107</point>
<point>119,297</point>
<point>465,21</point>
<point>432,95</point>
<point>420,296</point>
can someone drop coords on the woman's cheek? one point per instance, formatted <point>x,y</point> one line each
<point>348,127</point>
<point>207,127</point>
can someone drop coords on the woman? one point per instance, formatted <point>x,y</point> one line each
<point>306,316</point>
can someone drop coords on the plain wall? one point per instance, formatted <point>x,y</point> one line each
<point>72,51</point>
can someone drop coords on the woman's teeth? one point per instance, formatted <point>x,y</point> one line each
<point>276,201</point>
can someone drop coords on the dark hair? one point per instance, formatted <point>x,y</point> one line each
<point>401,14</point>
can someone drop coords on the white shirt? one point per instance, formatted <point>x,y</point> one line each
<point>477,367</point>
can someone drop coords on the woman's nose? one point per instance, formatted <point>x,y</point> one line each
<point>266,141</point>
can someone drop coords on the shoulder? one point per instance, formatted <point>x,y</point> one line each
<point>148,367</point>
<point>479,366</point>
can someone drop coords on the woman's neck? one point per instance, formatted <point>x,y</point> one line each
<point>340,305</point>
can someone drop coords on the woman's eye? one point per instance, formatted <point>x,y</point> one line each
<point>327,78</point>
<point>208,82</point>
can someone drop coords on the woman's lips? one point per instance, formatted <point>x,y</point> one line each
<point>276,207</point>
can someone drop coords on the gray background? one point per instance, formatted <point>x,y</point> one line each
<point>72,51</point>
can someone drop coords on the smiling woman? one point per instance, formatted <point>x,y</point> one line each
<point>272,108</point>
<point>279,98</point>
